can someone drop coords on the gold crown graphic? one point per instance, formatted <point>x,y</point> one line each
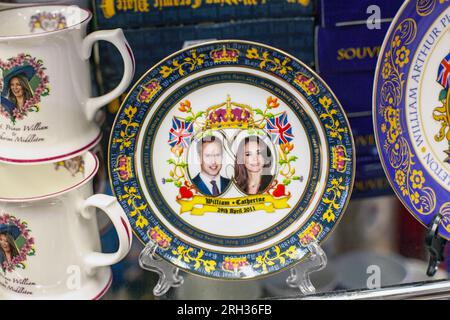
<point>149,90</point>
<point>339,158</point>
<point>310,233</point>
<point>229,115</point>
<point>307,84</point>
<point>225,54</point>
<point>123,168</point>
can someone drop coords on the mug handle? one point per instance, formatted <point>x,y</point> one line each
<point>117,38</point>
<point>112,208</point>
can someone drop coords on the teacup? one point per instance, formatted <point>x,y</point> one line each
<point>49,236</point>
<point>24,3</point>
<point>46,108</point>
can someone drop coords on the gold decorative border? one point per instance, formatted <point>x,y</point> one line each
<point>409,181</point>
<point>184,254</point>
<point>189,62</point>
<point>271,257</point>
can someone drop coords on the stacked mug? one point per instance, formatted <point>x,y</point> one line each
<point>49,237</point>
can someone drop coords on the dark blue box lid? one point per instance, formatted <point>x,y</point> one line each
<point>353,90</point>
<point>346,58</point>
<point>151,13</point>
<point>150,45</point>
<point>348,49</point>
<point>337,12</point>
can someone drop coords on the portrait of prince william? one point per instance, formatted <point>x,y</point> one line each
<point>209,181</point>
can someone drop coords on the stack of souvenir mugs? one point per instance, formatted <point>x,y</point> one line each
<point>49,238</point>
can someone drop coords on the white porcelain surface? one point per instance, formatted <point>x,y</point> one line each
<point>46,111</point>
<point>23,3</point>
<point>53,239</point>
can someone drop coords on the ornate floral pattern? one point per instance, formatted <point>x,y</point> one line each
<point>425,7</point>
<point>188,64</point>
<point>267,61</point>
<point>392,126</point>
<point>334,125</point>
<point>336,188</point>
<point>134,200</point>
<point>185,254</point>
<point>270,257</point>
<point>128,131</point>
<point>445,212</point>
<point>409,181</point>
<point>402,56</point>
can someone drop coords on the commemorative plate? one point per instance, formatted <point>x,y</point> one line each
<point>232,157</point>
<point>411,107</point>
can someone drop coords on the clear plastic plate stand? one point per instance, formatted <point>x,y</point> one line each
<point>169,276</point>
<point>300,274</point>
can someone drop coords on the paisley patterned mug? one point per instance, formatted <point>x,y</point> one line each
<point>46,108</point>
<point>49,236</point>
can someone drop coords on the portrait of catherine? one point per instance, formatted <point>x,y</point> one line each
<point>253,166</point>
<point>16,88</point>
<point>8,246</point>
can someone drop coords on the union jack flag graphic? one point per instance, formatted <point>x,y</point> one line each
<point>444,72</point>
<point>280,129</point>
<point>181,132</point>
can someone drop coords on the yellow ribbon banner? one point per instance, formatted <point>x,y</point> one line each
<point>199,205</point>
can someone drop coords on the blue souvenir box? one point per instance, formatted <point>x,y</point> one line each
<point>150,13</point>
<point>336,13</point>
<point>346,59</point>
<point>363,135</point>
<point>370,179</point>
<point>293,35</point>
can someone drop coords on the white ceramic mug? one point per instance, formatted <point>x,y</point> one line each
<point>24,3</point>
<point>49,237</point>
<point>46,108</point>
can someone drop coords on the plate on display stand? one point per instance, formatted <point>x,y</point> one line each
<point>411,107</point>
<point>232,157</point>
